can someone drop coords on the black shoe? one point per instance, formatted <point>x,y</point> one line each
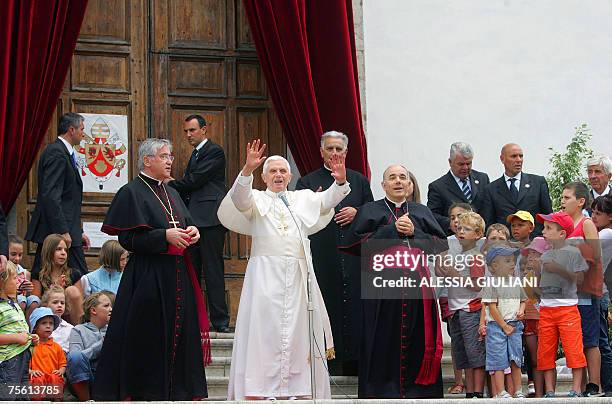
<point>223,328</point>
<point>592,390</point>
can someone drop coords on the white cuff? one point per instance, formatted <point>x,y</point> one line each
<point>344,188</point>
<point>245,179</point>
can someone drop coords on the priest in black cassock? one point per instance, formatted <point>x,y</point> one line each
<point>157,341</point>
<point>401,344</point>
<point>337,272</point>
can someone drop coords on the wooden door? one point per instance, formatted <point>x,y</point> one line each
<point>158,61</point>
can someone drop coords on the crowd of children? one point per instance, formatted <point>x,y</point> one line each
<point>42,342</point>
<point>52,328</point>
<point>560,303</point>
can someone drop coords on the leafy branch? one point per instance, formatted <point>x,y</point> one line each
<point>569,166</point>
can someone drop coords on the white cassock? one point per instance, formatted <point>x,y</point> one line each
<point>271,347</point>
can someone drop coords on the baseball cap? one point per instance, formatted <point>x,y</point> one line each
<point>561,218</point>
<point>41,312</point>
<point>498,251</point>
<point>538,244</point>
<point>521,214</point>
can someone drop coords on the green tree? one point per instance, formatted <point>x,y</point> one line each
<point>570,165</point>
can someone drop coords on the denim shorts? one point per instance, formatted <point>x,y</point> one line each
<point>78,368</point>
<point>501,348</point>
<point>589,319</point>
<point>14,371</point>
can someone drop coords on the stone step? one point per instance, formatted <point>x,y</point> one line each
<point>220,365</point>
<point>222,343</point>
<point>346,386</point>
<point>343,386</point>
<point>221,335</point>
<point>221,347</point>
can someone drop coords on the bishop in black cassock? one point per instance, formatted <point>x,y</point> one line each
<point>157,341</point>
<point>401,344</point>
<point>337,272</point>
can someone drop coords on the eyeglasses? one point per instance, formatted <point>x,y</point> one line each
<point>166,157</point>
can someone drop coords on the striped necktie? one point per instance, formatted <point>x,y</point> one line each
<point>466,190</point>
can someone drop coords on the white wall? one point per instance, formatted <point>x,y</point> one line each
<point>486,72</point>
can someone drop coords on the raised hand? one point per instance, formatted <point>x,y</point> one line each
<point>254,157</point>
<point>338,168</point>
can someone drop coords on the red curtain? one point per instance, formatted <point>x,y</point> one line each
<point>37,39</point>
<point>307,52</point>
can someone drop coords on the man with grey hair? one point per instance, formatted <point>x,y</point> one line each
<point>338,272</point>
<point>60,194</point>
<point>460,184</point>
<point>401,340</point>
<point>159,292</point>
<point>599,171</point>
<point>272,353</point>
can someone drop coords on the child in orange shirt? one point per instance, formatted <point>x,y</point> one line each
<point>48,359</point>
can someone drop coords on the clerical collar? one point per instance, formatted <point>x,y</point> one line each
<point>202,143</point>
<point>272,193</point>
<point>327,168</point>
<point>392,204</point>
<point>150,180</point>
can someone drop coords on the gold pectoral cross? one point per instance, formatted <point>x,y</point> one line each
<point>174,222</point>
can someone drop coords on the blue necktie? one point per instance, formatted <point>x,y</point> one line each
<point>74,162</point>
<point>513,190</point>
<point>193,159</point>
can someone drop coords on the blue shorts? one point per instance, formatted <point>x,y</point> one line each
<point>503,349</point>
<point>78,368</point>
<point>14,371</point>
<point>589,319</point>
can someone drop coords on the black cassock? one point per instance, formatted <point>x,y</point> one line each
<point>395,338</point>
<point>337,272</point>
<point>157,340</point>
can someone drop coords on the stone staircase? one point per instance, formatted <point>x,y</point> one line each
<point>217,373</point>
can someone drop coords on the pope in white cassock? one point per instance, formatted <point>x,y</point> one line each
<point>271,356</point>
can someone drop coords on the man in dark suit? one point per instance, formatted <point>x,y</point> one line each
<point>3,240</point>
<point>202,188</point>
<point>338,273</point>
<point>515,190</point>
<point>60,194</point>
<point>599,171</point>
<point>459,184</point>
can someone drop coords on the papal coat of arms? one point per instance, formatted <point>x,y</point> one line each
<point>101,153</point>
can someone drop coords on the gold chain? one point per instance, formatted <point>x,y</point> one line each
<point>170,212</point>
